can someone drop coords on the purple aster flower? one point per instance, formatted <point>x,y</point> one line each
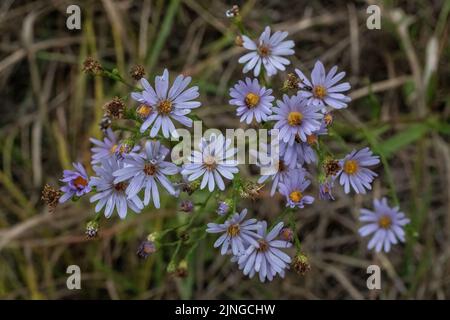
<point>293,189</point>
<point>213,161</point>
<point>323,88</point>
<point>268,51</point>
<point>295,118</point>
<point>161,105</point>
<point>354,172</point>
<point>104,149</point>
<point>111,195</point>
<point>385,223</point>
<point>146,171</point>
<point>265,257</point>
<point>252,100</point>
<point>237,233</point>
<point>77,183</point>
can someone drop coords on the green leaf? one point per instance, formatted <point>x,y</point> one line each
<point>404,138</point>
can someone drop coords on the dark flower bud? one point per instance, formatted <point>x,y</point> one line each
<point>92,229</point>
<point>105,123</point>
<point>146,248</point>
<point>291,82</point>
<point>186,206</point>
<point>182,269</point>
<point>238,41</point>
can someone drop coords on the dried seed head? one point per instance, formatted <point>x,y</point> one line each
<point>137,72</point>
<point>291,83</point>
<point>92,66</point>
<point>331,167</point>
<point>328,118</point>
<point>191,187</point>
<point>115,108</point>
<point>301,264</point>
<point>251,190</point>
<point>51,197</point>
<point>92,229</point>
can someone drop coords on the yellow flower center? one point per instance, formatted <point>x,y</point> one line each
<point>263,245</point>
<point>319,92</point>
<point>233,230</point>
<point>295,118</point>
<point>263,50</point>
<point>210,162</point>
<point>164,107</point>
<point>311,139</point>
<point>350,166</point>
<point>80,182</point>
<point>149,169</point>
<point>385,222</point>
<point>144,111</point>
<point>296,196</point>
<point>251,100</point>
<point>113,149</point>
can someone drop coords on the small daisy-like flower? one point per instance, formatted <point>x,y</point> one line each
<point>146,171</point>
<point>223,208</point>
<point>237,233</point>
<point>293,189</point>
<point>323,88</point>
<point>268,51</point>
<point>265,257</point>
<point>77,183</point>
<point>110,194</point>
<point>105,149</point>
<point>385,223</point>
<point>295,119</point>
<point>252,100</point>
<point>354,172</point>
<point>213,161</point>
<point>161,105</point>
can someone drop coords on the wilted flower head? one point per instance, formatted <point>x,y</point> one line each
<point>77,183</point>
<point>287,234</point>
<point>250,190</point>
<point>268,52</point>
<point>137,72</point>
<point>110,194</point>
<point>300,264</point>
<point>293,188</point>
<point>252,100</point>
<point>331,167</point>
<point>146,171</point>
<point>90,65</point>
<point>295,118</point>
<point>105,123</point>
<point>162,105</point>
<point>50,196</point>
<point>323,88</point>
<point>214,160</point>
<point>237,233</point>
<point>291,82</point>
<point>115,108</point>
<point>325,189</point>
<point>265,257</point>
<point>385,223</point>
<point>354,172</point>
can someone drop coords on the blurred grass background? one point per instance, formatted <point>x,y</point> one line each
<point>49,108</point>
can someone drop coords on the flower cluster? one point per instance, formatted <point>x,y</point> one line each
<point>131,169</point>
